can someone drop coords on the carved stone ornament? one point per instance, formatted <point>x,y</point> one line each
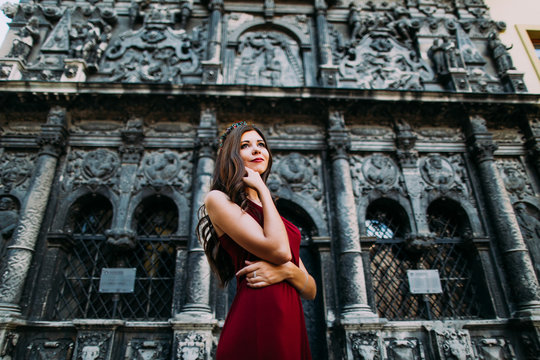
<point>380,53</point>
<point>147,349</point>
<point>299,174</point>
<point>15,170</point>
<point>453,344</point>
<point>9,218</point>
<point>59,349</point>
<point>515,179</point>
<point>191,346</point>
<point>268,58</point>
<point>404,349</point>
<point>92,345</point>
<point>365,346</point>
<point>437,171</point>
<point>494,349</point>
<point>93,168</point>
<point>379,170</point>
<point>100,164</point>
<point>165,168</point>
<point>155,54</point>
<point>7,352</point>
<point>25,40</point>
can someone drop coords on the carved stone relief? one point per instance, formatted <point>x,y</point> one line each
<point>515,179</point>
<point>376,172</point>
<point>93,168</point>
<point>365,346</point>
<point>298,174</point>
<point>25,40</point>
<point>372,133</point>
<point>268,58</point>
<point>191,346</point>
<point>446,174</point>
<point>528,219</point>
<point>404,349</point>
<point>494,349</point>
<point>380,52</point>
<point>10,342</point>
<point>437,171</point>
<point>15,171</point>
<point>9,217</point>
<point>436,134</point>
<point>155,54</point>
<point>41,349</point>
<point>165,168</point>
<point>452,344</point>
<point>147,349</point>
<point>92,345</point>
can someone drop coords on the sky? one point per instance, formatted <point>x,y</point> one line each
<point>4,20</point>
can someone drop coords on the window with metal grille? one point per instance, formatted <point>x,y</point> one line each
<point>153,257</point>
<point>391,256</point>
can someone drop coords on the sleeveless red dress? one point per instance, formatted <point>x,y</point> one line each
<point>266,323</point>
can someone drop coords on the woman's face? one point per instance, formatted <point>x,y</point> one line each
<point>253,151</point>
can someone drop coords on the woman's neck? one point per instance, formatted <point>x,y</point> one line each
<point>253,195</point>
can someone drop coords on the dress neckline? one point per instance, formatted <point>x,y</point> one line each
<point>253,202</point>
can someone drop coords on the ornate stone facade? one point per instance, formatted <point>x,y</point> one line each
<point>403,139</point>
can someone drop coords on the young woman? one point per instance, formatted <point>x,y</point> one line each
<point>244,236</point>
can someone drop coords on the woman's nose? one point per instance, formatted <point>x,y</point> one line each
<point>256,150</point>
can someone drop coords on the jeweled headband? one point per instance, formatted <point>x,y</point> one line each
<point>228,131</point>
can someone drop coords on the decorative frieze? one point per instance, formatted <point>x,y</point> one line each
<point>57,349</point>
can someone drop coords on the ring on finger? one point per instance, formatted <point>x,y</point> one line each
<point>255,274</point>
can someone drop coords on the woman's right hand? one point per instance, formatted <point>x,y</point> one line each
<point>253,180</point>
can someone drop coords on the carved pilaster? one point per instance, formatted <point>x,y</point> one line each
<point>212,65</point>
<point>20,252</point>
<point>197,303</point>
<point>351,280</point>
<point>516,258</point>
<point>327,71</point>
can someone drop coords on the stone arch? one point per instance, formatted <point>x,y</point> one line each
<point>81,194</point>
<point>180,201</point>
<point>288,207</point>
<point>455,210</point>
<point>166,210</point>
<point>267,55</point>
<point>309,208</point>
<point>393,208</point>
<point>283,26</point>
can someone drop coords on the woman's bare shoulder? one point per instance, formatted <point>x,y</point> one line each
<point>215,196</point>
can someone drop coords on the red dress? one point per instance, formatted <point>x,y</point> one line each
<point>266,323</point>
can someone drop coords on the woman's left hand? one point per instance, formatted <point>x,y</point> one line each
<point>261,273</point>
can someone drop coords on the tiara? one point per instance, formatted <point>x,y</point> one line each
<point>228,131</point>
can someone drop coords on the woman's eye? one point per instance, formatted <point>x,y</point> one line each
<point>243,146</point>
<point>262,144</point>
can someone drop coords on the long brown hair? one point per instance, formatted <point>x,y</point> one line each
<point>227,178</point>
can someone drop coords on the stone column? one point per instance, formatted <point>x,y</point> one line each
<point>193,326</point>
<point>351,282</point>
<point>19,254</point>
<point>327,71</point>
<point>517,261</point>
<point>212,65</point>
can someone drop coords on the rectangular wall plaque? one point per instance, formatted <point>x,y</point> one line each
<point>117,280</point>
<point>424,281</point>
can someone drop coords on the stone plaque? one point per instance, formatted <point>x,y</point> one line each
<point>117,280</point>
<point>424,281</point>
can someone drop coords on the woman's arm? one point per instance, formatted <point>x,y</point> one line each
<point>269,242</point>
<point>268,274</point>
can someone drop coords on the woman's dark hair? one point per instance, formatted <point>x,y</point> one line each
<point>227,178</point>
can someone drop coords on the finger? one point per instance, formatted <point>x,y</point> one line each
<point>258,284</point>
<point>245,270</point>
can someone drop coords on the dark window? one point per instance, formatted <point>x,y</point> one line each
<point>150,252</point>
<point>392,255</point>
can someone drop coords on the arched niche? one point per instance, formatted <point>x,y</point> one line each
<point>267,54</point>
<point>385,218</point>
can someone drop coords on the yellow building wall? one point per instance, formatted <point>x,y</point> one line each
<point>514,13</point>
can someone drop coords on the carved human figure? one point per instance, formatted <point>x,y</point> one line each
<point>25,39</point>
<point>513,180</point>
<point>9,217</point>
<point>530,229</point>
<point>499,51</point>
<point>445,55</point>
<point>438,171</point>
<point>380,170</point>
<point>271,72</point>
<point>402,25</point>
<point>355,22</point>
